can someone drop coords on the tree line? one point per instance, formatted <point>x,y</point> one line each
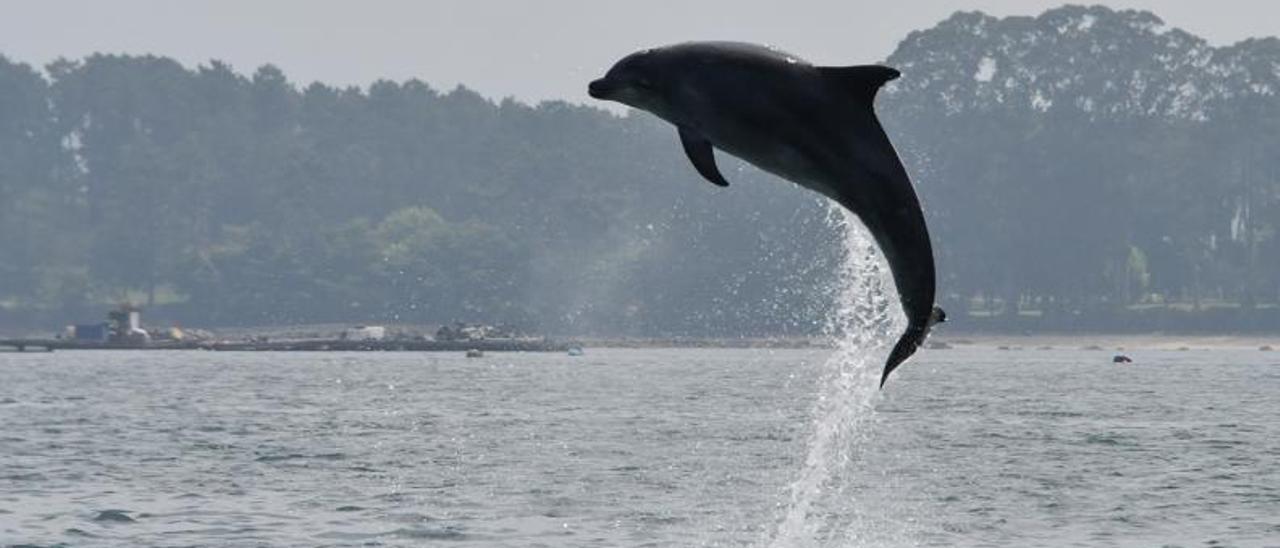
<point>1082,169</point>
<point>1098,165</point>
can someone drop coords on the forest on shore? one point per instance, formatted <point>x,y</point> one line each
<point>1082,170</point>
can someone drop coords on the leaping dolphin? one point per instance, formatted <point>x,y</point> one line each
<point>815,126</point>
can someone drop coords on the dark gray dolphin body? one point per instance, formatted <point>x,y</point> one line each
<point>812,125</point>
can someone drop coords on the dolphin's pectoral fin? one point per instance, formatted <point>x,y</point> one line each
<point>862,81</point>
<point>698,148</point>
<point>938,316</point>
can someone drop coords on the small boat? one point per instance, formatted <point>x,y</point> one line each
<point>575,351</point>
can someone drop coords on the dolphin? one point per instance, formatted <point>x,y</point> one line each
<point>813,125</point>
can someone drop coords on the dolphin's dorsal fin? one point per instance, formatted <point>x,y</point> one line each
<point>698,148</point>
<point>863,81</point>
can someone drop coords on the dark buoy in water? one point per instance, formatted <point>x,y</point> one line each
<point>475,353</point>
<point>1121,358</point>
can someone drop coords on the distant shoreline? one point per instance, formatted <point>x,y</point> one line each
<point>940,340</point>
<point>1154,341</point>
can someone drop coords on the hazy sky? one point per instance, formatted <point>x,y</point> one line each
<point>529,49</point>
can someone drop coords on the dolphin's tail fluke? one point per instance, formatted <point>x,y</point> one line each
<point>910,341</point>
<point>907,345</point>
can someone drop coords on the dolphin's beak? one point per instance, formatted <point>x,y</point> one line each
<point>601,89</point>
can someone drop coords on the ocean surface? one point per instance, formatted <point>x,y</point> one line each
<point>655,447</point>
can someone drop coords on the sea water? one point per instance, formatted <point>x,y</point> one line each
<point>971,446</point>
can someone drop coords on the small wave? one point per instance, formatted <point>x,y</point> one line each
<point>1217,443</point>
<point>660,519</point>
<point>114,516</point>
<point>1107,439</point>
<point>1052,414</point>
<point>447,532</point>
<point>297,456</point>
<point>411,517</point>
<point>444,532</point>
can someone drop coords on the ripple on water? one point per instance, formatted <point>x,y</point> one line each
<point>299,456</point>
<point>113,516</point>
<point>443,532</point>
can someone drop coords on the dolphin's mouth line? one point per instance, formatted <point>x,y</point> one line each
<point>600,89</point>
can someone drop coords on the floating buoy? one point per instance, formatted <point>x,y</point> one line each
<point>1121,358</point>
